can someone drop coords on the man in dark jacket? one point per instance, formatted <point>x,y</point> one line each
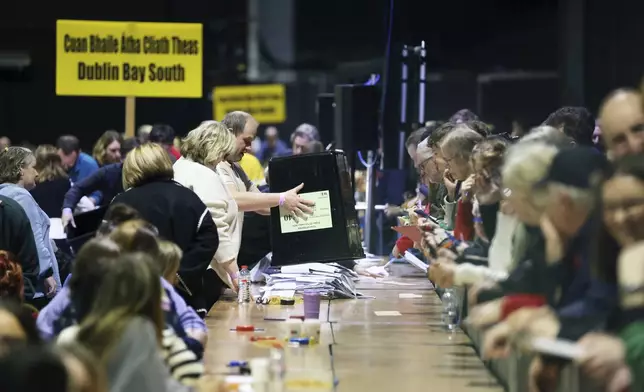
<point>17,237</point>
<point>107,179</point>
<point>568,225</point>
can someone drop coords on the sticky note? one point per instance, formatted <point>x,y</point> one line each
<point>387,313</point>
<point>409,295</point>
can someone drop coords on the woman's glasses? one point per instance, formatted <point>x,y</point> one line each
<point>423,165</point>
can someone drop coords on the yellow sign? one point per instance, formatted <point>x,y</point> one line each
<point>266,103</point>
<point>320,219</point>
<point>128,59</point>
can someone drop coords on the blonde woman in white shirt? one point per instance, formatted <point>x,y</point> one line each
<point>201,150</point>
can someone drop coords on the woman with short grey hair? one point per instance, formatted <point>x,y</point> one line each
<point>17,176</point>
<point>525,165</point>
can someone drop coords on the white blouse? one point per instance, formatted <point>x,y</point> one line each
<point>207,184</point>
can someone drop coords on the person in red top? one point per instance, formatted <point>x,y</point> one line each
<point>456,149</point>
<point>405,243</point>
<point>174,152</point>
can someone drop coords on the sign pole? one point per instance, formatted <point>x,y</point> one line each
<point>130,116</point>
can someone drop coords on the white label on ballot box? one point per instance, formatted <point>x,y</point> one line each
<point>320,219</point>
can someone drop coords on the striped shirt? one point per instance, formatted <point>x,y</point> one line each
<point>183,364</point>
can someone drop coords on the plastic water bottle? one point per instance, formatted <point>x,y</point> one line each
<point>243,295</point>
<point>450,309</point>
<point>278,369</point>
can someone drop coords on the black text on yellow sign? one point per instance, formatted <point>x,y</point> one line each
<point>266,103</point>
<point>128,59</point>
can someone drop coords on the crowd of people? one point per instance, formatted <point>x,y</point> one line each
<point>122,307</point>
<point>544,229</point>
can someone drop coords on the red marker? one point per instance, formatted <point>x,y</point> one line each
<point>246,328</point>
<point>259,338</point>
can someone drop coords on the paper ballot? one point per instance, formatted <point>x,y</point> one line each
<point>558,348</point>
<point>320,219</point>
<point>416,262</point>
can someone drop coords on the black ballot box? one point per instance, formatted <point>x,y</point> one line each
<point>86,225</point>
<point>332,233</point>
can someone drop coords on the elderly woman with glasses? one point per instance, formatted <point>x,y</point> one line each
<point>456,149</point>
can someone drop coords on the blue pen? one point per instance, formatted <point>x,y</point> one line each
<point>300,341</point>
<point>237,363</point>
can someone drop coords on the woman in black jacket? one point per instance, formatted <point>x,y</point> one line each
<point>176,211</point>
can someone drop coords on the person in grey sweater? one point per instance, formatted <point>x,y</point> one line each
<point>17,176</point>
<point>135,364</point>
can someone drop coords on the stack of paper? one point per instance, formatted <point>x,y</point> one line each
<point>330,280</point>
<point>416,262</point>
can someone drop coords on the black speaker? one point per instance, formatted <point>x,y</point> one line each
<point>325,111</point>
<point>356,117</point>
<point>15,66</point>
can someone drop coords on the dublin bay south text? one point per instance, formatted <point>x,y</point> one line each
<point>107,71</point>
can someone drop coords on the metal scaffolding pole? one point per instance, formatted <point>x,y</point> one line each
<point>422,83</point>
<point>370,186</point>
<point>403,107</point>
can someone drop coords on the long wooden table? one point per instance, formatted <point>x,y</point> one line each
<point>409,352</point>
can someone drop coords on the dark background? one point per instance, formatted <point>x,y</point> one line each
<point>594,45</point>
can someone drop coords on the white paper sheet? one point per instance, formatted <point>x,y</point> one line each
<point>314,279</point>
<point>416,262</point>
<point>306,267</point>
<point>56,229</point>
<point>377,271</point>
<point>557,347</point>
<point>286,276</point>
<point>284,286</point>
<point>387,313</point>
<point>394,283</point>
<point>409,295</point>
<point>279,293</point>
